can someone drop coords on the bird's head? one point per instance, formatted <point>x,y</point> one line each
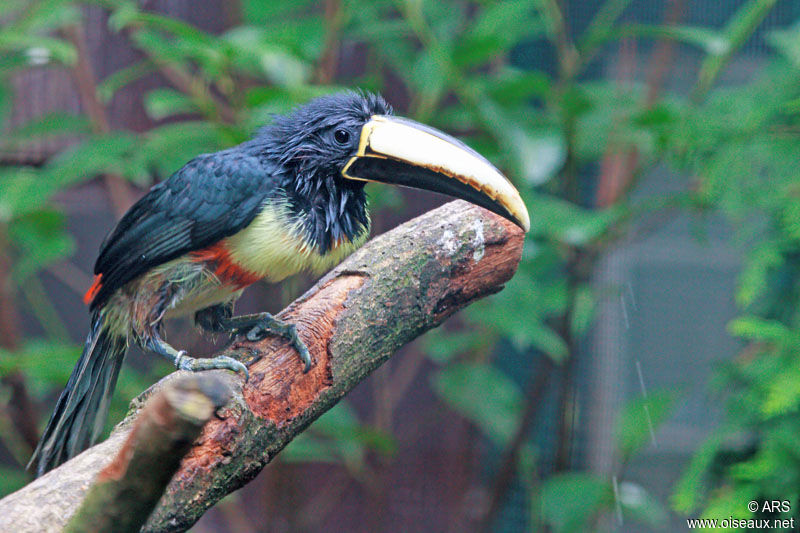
<point>315,141</point>
<point>330,147</point>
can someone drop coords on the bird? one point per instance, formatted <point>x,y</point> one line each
<point>290,199</point>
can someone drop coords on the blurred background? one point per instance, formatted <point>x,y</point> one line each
<point>642,367</point>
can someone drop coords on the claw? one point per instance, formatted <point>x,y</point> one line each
<point>236,366</point>
<point>288,331</point>
<point>305,355</point>
<point>300,346</point>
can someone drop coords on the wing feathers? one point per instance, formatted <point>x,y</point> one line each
<point>210,198</point>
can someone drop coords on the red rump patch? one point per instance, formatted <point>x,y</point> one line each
<point>94,289</point>
<point>226,270</point>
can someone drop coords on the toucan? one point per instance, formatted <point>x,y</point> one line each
<point>290,199</point>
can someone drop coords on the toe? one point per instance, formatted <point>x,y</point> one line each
<point>255,333</point>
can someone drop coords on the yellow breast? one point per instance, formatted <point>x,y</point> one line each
<point>275,248</point>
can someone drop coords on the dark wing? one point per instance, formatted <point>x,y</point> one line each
<point>210,198</point>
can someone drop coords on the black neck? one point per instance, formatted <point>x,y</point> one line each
<point>332,210</point>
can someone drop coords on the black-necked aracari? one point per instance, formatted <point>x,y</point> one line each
<point>290,199</point>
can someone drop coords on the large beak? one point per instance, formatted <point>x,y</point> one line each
<point>403,152</point>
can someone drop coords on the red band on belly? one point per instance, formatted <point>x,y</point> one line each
<point>225,268</point>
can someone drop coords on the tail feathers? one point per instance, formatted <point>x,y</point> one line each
<point>81,410</point>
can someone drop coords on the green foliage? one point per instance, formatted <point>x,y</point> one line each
<point>573,501</point>
<point>484,395</point>
<point>569,502</point>
<point>639,419</point>
<point>41,241</point>
<point>339,437</point>
<point>742,144</point>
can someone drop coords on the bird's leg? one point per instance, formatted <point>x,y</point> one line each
<point>220,319</point>
<point>184,362</point>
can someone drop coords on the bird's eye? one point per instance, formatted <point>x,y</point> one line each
<point>341,136</point>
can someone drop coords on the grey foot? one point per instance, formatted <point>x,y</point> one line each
<point>221,362</point>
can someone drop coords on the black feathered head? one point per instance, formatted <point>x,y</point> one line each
<point>322,133</point>
<point>311,146</point>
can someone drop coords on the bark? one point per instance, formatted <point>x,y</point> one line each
<point>126,491</point>
<point>392,290</point>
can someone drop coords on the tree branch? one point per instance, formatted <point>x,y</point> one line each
<point>127,490</point>
<point>392,290</point>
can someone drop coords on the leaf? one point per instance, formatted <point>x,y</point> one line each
<point>496,29</point>
<point>511,87</point>
<point>604,19</point>
<point>5,101</point>
<point>428,76</point>
<point>533,304</point>
<point>41,240</point>
<point>476,50</point>
<point>255,53</point>
<point>442,346</point>
<point>338,436</point>
<point>509,22</point>
<point>167,148</point>
<point>46,16</point>
<point>558,219</point>
<point>50,125</point>
<point>729,502</point>
<point>483,395</point>
<point>782,393</point>
<point>737,31</point>
<point>639,420</point>
<point>122,77</point>
<point>536,158</point>
<point>688,491</point>
<point>548,341</point>
<point>39,49</point>
<point>305,448</point>
<point>163,102</point>
<point>540,157</point>
<point>96,155</point>
<point>21,191</point>
<point>658,115</point>
<point>46,363</point>
<point>188,33</point>
<point>383,196</point>
<point>759,329</point>
<point>787,43</point>
<point>569,502</point>
<point>304,38</point>
<point>762,465</point>
<point>712,42</point>
<point>268,11</point>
